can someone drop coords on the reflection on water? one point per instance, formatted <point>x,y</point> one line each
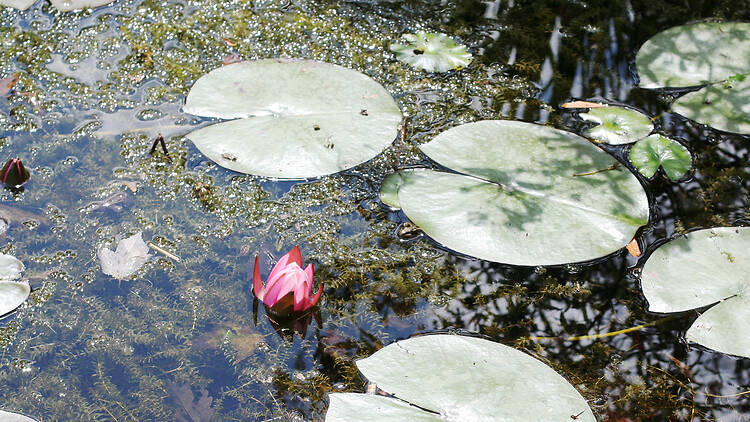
<point>97,87</point>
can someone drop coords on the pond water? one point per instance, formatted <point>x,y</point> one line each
<point>97,86</point>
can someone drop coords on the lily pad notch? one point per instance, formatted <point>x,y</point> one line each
<point>706,267</point>
<point>711,55</point>
<point>444,377</point>
<point>292,119</point>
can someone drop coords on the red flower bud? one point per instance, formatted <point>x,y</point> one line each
<point>13,173</point>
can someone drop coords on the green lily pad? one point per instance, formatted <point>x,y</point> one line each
<point>722,106</point>
<point>702,268</point>
<point>432,52</point>
<point>459,378</point>
<point>523,184</point>
<point>617,125</point>
<point>694,54</point>
<point>655,151</point>
<point>295,119</point>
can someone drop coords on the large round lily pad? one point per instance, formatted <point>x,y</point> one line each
<point>529,195</point>
<point>61,5</point>
<point>459,378</point>
<point>702,268</point>
<point>694,54</point>
<point>295,119</point>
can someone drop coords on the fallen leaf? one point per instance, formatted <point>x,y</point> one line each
<point>229,41</point>
<point>6,84</point>
<point>633,248</point>
<point>188,409</point>
<point>231,58</point>
<point>130,255</point>
<point>243,339</point>
<point>582,104</point>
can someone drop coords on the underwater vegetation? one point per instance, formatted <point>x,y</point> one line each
<point>86,96</point>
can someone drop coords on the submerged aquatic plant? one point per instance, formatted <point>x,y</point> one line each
<point>289,287</point>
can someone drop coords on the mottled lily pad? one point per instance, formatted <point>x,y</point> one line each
<point>724,106</point>
<point>703,268</point>
<point>294,119</point>
<point>459,378</point>
<point>655,151</point>
<point>522,185</point>
<point>432,52</point>
<point>617,125</point>
<point>694,54</point>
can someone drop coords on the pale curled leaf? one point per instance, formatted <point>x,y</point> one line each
<point>130,255</point>
<point>14,417</point>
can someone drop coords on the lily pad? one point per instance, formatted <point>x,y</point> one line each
<point>703,268</point>
<point>722,106</point>
<point>694,54</point>
<point>459,378</point>
<point>295,119</point>
<point>433,52</point>
<point>12,293</point>
<point>655,151</point>
<point>523,184</point>
<point>617,125</point>
<point>14,417</point>
<point>61,5</point>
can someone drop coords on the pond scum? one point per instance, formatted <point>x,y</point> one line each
<point>95,89</point>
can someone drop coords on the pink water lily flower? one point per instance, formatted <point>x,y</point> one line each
<point>289,287</point>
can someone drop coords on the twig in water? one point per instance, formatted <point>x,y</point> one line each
<point>163,252</point>
<point>612,167</point>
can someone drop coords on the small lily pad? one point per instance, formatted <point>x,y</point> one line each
<point>294,119</point>
<point>705,267</point>
<point>694,54</point>
<point>458,378</point>
<point>617,125</point>
<point>433,52</point>
<point>655,151</point>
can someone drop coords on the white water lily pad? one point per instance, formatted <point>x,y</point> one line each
<point>694,54</point>
<point>10,267</point>
<point>655,151</point>
<point>459,378</point>
<point>12,293</point>
<point>432,52</point>
<point>699,269</point>
<point>617,125</point>
<point>14,417</point>
<point>61,5</point>
<point>129,257</point>
<point>722,106</point>
<point>296,119</point>
<point>524,185</point>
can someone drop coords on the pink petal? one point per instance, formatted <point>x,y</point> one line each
<point>312,301</point>
<point>300,296</point>
<point>286,281</point>
<point>283,263</point>
<point>257,282</point>
<point>309,274</point>
<point>295,256</point>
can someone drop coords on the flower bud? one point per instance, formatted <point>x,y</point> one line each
<point>13,173</point>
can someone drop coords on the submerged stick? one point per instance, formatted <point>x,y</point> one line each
<point>163,252</point>
<point>610,334</point>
